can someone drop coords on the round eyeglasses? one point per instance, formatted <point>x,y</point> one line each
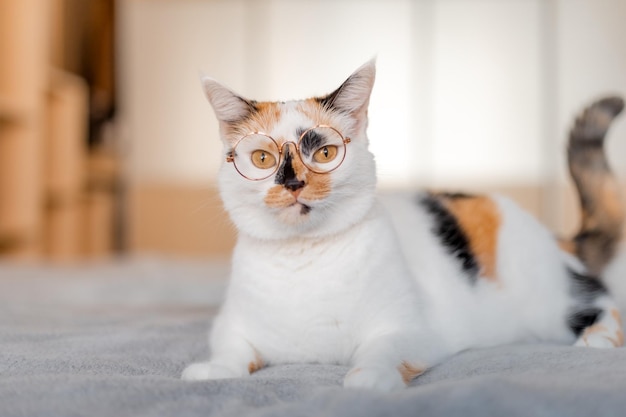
<point>257,156</point>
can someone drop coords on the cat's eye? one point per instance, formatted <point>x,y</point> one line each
<point>263,159</point>
<point>325,154</point>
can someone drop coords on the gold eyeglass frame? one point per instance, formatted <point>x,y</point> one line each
<point>230,157</point>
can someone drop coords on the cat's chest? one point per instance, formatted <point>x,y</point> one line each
<point>299,306</point>
<point>298,321</point>
<point>315,300</point>
<point>299,288</point>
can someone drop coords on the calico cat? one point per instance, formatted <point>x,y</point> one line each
<point>322,273</point>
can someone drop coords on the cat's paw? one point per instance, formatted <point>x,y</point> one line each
<point>381,379</point>
<point>206,370</point>
<point>597,340</point>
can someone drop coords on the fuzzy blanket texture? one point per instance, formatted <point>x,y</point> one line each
<point>112,340</point>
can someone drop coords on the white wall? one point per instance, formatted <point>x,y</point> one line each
<point>487,92</point>
<point>468,91</point>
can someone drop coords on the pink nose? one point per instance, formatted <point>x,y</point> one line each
<point>295,192</point>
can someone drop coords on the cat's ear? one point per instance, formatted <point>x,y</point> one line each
<point>353,96</point>
<point>229,107</point>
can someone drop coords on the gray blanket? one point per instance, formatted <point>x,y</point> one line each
<point>112,340</point>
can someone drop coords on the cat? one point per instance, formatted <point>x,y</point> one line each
<point>321,273</point>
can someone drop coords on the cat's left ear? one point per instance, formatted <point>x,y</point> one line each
<point>353,96</point>
<point>229,107</point>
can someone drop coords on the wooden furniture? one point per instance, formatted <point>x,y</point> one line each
<point>49,206</point>
<point>24,40</point>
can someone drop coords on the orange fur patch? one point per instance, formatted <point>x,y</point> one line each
<point>409,371</point>
<point>620,333</point>
<point>314,112</point>
<point>604,207</point>
<point>317,186</point>
<point>610,200</point>
<point>264,119</point>
<point>480,220</point>
<point>617,341</point>
<point>596,328</point>
<point>618,318</point>
<point>279,197</point>
<point>266,116</point>
<point>353,371</point>
<point>567,246</point>
<point>256,364</point>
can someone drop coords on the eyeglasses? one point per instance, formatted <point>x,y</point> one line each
<point>257,156</point>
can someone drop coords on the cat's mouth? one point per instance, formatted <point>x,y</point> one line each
<point>290,208</point>
<point>294,214</point>
<point>304,209</point>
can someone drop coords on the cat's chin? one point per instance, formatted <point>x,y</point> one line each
<point>294,215</point>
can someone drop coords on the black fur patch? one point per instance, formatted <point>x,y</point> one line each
<point>450,234</point>
<point>579,320</point>
<point>311,141</point>
<point>603,241</point>
<point>585,289</point>
<point>456,196</point>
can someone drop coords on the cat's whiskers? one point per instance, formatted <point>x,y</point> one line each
<point>215,218</point>
<point>211,202</point>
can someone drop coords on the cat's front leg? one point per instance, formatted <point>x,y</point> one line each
<point>234,364</point>
<point>386,363</point>
<point>232,356</point>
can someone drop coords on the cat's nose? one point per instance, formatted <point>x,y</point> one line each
<point>294,185</point>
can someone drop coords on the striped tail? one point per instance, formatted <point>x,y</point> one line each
<point>600,200</point>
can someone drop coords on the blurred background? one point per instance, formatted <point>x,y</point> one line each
<point>108,146</point>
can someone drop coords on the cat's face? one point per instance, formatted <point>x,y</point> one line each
<point>290,180</point>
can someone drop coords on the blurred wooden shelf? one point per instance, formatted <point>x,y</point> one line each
<point>11,112</point>
<point>58,198</point>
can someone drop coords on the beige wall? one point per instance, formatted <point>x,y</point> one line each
<point>179,220</point>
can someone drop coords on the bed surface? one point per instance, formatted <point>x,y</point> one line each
<point>112,339</point>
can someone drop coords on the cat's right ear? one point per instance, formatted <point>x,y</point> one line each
<point>353,96</point>
<point>229,107</point>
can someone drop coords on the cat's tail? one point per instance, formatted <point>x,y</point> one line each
<point>601,204</point>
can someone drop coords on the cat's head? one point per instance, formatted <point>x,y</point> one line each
<point>273,190</point>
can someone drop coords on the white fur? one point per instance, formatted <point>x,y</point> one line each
<point>349,284</point>
<point>614,275</point>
